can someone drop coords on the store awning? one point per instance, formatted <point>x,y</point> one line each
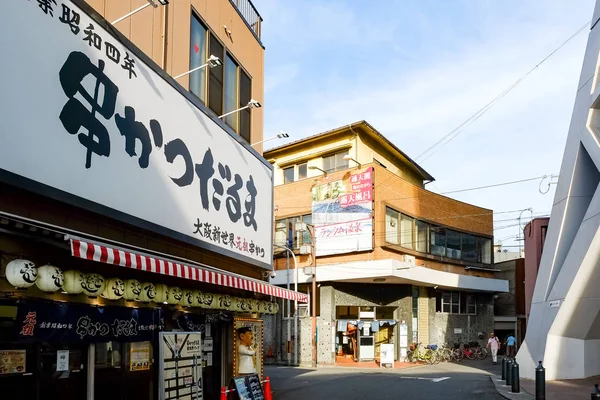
<point>103,253</point>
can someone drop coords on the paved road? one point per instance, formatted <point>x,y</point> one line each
<point>443,381</point>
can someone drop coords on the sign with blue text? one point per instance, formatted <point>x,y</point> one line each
<point>88,119</point>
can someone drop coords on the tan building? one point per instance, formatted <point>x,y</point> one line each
<point>134,249</point>
<point>399,262</point>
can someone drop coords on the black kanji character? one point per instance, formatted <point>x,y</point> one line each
<point>134,130</point>
<point>260,250</point>
<point>46,6</point>
<point>234,208</point>
<point>224,237</point>
<point>128,65</point>
<point>225,173</point>
<point>70,18</point>
<point>198,226</point>
<point>205,171</point>
<point>92,37</point>
<point>232,240</point>
<point>112,52</point>
<point>250,204</point>
<point>75,115</point>
<point>216,234</point>
<point>207,230</point>
<point>251,247</point>
<point>175,148</point>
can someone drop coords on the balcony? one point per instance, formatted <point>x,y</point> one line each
<point>250,15</point>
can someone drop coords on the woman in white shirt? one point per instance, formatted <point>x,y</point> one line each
<point>494,344</point>
<point>246,353</point>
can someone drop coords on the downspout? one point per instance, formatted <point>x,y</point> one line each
<point>164,38</point>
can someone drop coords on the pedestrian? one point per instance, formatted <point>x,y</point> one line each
<point>511,346</point>
<point>493,344</point>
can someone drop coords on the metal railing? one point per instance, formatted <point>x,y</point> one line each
<point>249,13</point>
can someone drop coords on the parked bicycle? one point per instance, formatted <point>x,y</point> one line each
<point>416,354</point>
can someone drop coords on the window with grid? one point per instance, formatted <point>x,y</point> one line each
<point>451,302</point>
<point>335,162</point>
<point>288,175</point>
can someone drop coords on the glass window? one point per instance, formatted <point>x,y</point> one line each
<point>215,80</point>
<point>198,58</point>
<point>451,302</point>
<point>231,90</point>
<point>469,248</point>
<point>485,250</point>
<point>302,171</point>
<point>454,306</point>
<point>335,162</point>
<point>288,175</point>
<point>406,231</point>
<point>437,244</point>
<point>307,219</point>
<point>286,234</point>
<point>281,232</point>
<point>391,226</point>
<point>421,234</point>
<point>452,244</point>
<point>467,303</point>
<point>245,115</point>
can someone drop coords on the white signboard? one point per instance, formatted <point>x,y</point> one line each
<point>62,360</point>
<point>386,353</point>
<point>87,120</point>
<point>457,330</point>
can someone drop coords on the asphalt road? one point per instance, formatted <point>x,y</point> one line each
<point>467,380</point>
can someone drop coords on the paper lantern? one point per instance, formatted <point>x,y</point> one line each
<point>21,273</point>
<point>148,292</point>
<point>208,300</point>
<point>254,305</point>
<point>275,308</point>
<point>93,284</point>
<point>263,307</point>
<point>50,278</point>
<point>72,281</point>
<point>187,300</point>
<point>174,295</point>
<point>269,307</point>
<point>224,302</point>
<point>133,289</point>
<point>161,293</point>
<point>114,289</point>
<point>241,304</point>
<point>196,298</point>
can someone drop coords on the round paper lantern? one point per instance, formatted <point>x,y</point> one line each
<point>275,308</point>
<point>114,289</point>
<point>174,295</point>
<point>269,307</point>
<point>93,284</point>
<point>254,305</point>
<point>187,300</point>
<point>196,298</point>
<point>50,278</point>
<point>148,292</point>
<point>133,289</point>
<point>161,293</point>
<point>21,273</point>
<point>72,281</point>
<point>241,304</point>
<point>263,307</point>
<point>208,300</point>
<point>224,301</point>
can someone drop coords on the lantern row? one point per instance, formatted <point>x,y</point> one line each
<point>22,273</point>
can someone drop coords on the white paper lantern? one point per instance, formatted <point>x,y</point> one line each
<point>133,289</point>
<point>224,302</point>
<point>93,284</point>
<point>241,304</point>
<point>187,300</point>
<point>174,295</point>
<point>275,308</point>
<point>254,305</point>
<point>114,289</point>
<point>264,307</point>
<point>148,292</point>
<point>50,278</point>
<point>72,281</point>
<point>21,273</point>
<point>197,298</point>
<point>208,300</point>
<point>161,293</point>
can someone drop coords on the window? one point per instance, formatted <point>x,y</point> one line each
<point>245,115</point>
<point>421,235</point>
<point>438,241</point>
<point>467,303</point>
<point>450,302</point>
<point>288,175</point>
<point>391,226</point>
<point>302,171</point>
<point>286,234</point>
<point>231,91</point>
<point>198,58</point>
<point>485,250</point>
<point>452,244</point>
<point>215,80</point>
<point>406,231</point>
<point>456,303</point>
<point>469,248</point>
<point>335,162</point>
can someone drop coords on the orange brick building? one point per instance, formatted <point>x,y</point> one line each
<point>394,260</point>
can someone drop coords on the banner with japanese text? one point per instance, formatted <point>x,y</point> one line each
<point>90,120</point>
<point>342,213</point>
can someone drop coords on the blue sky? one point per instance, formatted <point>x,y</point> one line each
<point>416,69</point>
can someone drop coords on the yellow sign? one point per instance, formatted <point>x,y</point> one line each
<point>12,361</point>
<point>139,356</point>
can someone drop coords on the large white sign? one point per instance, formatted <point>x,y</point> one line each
<point>83,114</point>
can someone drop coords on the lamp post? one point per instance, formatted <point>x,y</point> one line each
<point>280,135</point>
<point>289,251</point>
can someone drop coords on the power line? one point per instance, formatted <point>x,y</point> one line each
<point>459,129</point>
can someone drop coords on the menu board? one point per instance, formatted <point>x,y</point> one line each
<point>255,387</point>
<point>139,356</point>
<point>12,361</point>
<point>181,367</point>
<point>248,387</point>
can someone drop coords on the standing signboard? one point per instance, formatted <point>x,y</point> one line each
<point>180,371</point>
<point>100,126</point>
<point>386,353</point>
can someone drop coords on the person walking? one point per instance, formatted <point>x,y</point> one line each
<point>511,346</point>
<point>493,344</point>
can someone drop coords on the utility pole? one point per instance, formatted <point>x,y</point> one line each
<point>311,230</point>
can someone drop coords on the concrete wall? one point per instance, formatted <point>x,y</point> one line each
<point>535,235</point>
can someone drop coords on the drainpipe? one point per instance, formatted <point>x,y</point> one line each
<point>164,37</point>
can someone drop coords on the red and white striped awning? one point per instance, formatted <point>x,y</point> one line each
<point>99,252</point>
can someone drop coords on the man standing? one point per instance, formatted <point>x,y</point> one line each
<point>511,346</point>
<point>493,343</point>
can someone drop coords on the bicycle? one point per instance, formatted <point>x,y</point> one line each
<point>447,354</point>
<point>415,354</point>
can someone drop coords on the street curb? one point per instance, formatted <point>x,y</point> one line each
<point>505,392</point>
<point>370,368</point>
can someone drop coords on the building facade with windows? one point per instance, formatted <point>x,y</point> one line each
<point>395,263</point>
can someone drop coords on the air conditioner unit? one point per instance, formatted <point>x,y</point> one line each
<point>303,310</point>
<point>305,249</point>
<point>409,259</point>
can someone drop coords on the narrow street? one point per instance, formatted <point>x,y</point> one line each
<point>451,381</point>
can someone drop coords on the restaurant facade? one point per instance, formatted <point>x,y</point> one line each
<point>133,248</point>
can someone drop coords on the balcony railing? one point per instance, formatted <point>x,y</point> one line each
<point>249,13</point>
